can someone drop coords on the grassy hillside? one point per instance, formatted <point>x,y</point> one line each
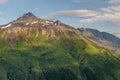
<point>42,54</point>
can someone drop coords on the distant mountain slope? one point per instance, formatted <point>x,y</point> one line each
<point>35,49</point>
<point>105,39</point>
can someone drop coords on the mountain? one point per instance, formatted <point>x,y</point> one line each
<point>35,49</point>
<point>105,39</point>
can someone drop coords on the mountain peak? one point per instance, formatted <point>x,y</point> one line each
<point>29,14</point>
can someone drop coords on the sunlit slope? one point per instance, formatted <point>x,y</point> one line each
<point>37,53</point>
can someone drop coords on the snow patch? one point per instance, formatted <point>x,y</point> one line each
<point>47,22</point>
<point>43,25</point>
<point>55,24</point>
<point>27,24</point>
<point>9,25</point>
<point>34,22</point>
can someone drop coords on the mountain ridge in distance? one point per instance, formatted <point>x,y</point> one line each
<point>105,39</point>
<point>36,49</point>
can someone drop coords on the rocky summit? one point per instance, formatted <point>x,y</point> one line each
<point>35,49</point>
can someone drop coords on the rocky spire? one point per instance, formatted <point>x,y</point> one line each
<point>29,14</point>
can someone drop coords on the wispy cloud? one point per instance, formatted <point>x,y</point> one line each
<point>114,1</point>
<point>109,14</point>
<point>117,34</point>
<point>110,1</point>
<point>3,1</point>
<point>74,13</point>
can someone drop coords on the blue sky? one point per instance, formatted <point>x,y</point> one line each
<point>103,15</point>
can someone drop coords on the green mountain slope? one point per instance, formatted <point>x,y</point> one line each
<point>53,52</point>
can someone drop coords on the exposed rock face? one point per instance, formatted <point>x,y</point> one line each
<point>105,39</point>
<point>28,15</point>
<point>29,24</point>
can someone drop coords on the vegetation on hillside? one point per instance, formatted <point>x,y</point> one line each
<point>64,56</point>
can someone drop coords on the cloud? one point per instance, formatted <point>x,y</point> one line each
<point>110,1</point>
<point>117,34</point>
<point>114,1</point>
<point>109,14</point>
<point>74,13</point>
<point>3,1</point>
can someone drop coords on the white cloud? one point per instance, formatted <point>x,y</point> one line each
<point>109,14</point>
<point>74,13</point>
<point>110,1</point>
<point>3,1</point>
<point>117,34</point>
<point>114,1</point>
